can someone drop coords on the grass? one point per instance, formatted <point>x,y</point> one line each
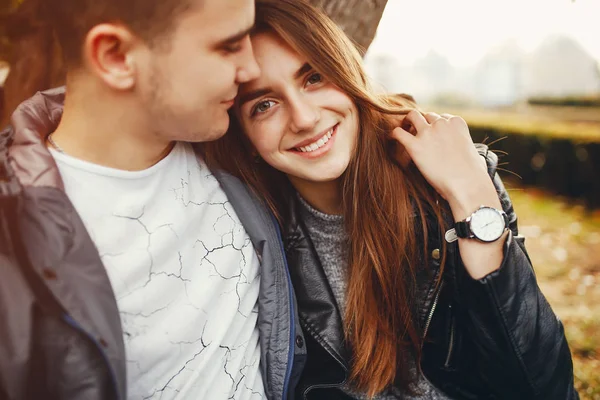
<point>563,239</point>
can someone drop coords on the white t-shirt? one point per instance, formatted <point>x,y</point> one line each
<point>184,272</point>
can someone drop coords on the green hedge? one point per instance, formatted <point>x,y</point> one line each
<point>575,101</point>
<point>562,166</point>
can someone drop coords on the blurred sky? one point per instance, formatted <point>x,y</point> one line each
<point>464,30</point>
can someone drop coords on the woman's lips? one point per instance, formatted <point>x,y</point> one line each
<point>318,147</point>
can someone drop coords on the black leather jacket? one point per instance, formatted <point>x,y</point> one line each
<point>493,338</point>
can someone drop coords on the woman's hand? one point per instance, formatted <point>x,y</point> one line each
<point>442,149</point>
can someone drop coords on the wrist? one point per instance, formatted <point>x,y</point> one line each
<point>465,201</point>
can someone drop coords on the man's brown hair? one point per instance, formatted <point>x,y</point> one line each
<point>71,20</point>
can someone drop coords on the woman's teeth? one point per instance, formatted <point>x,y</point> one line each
<point>318,144</point>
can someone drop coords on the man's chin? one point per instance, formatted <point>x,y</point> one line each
<point>215,131</point>
<point>218,131</point>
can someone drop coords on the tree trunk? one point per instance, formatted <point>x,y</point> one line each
<point>36,63</point>
<point>358,18</point>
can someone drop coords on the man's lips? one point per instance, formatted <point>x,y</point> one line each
<point>231,99</point>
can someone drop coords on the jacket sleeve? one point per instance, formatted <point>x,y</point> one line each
<point>41,357</point>
<point>520,345</point>
<point>16,298</point>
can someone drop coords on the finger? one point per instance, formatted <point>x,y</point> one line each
<point>403,137</point>
<point>431,117</point>
<point>417,120</point>
<point>447,116</point>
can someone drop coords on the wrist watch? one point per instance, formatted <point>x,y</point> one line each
<point>486,224</point>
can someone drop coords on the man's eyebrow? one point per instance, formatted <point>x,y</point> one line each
<point>236,37</point>
<point>246,97</point>
<point>303,70</point>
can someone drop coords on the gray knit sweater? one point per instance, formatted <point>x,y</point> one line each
<point>328,234</point>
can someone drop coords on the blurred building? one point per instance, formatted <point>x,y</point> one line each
<point>561,67</point>
<point>505,75</point>
<point>499,79</point>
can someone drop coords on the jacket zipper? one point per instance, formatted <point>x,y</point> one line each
<point>340,362</point>
<point>323,386</point>
<point>432,311</point>
<point>451,346</point>
<point>327,385</point>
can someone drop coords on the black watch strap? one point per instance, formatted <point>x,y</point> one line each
<point>462,229</point>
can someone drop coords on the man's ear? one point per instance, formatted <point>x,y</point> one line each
<point>108,54</point>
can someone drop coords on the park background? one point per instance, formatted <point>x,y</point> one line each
<point>525,74</point>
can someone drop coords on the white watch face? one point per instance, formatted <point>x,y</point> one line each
<point>487,224</point>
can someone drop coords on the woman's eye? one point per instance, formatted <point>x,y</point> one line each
<point>314,78</point>
<point>262,107</point>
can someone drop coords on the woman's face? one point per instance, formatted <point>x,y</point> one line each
<point>298,122</point>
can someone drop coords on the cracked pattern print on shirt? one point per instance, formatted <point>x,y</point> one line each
<point>184,272</point>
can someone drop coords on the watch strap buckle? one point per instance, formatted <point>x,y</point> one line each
<point>451,235</point>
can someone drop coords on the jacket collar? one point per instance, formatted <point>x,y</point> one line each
<point>317,307</point>
<point>30,124</point>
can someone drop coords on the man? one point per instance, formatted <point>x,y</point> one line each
<point>128,269</point>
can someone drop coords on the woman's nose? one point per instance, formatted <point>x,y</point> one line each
<point>305,114</point>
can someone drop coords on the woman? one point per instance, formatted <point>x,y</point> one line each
<point>389,308</point>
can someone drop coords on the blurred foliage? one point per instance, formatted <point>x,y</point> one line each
<point>551,147</point>
<point>571,123</point>
<point>575,101</point>
<point>566,167</point>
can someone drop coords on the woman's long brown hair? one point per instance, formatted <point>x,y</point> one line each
<point>380,198</point>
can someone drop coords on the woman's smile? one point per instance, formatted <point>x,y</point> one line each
<point>314,148</point>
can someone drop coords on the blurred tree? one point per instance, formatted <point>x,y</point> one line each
<point>358,18</point>
<point>35,59</point>
<point>6,7</point>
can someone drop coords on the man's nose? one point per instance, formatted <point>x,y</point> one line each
<point>249,68</point>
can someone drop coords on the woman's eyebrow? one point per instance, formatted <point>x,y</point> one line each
<point>254,94</point>
<point>303,70</point>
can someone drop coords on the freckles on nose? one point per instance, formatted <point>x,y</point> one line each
<point>304,116</point>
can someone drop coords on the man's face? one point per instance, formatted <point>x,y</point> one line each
<point>187,84</point>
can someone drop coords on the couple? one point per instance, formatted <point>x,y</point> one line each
<point>318,250</point>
